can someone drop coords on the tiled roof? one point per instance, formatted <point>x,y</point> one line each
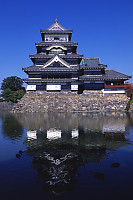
<point>30,80</point>
<point>56,43</point>
<point>92,63</point>
<point>100,66</point>
<point>109,75</point>
<point>112,74</point>
<point>56,28</point>
<point>92,77</point>
<point>46,31</point>
<point>43,55</point>
<point>48,69</point>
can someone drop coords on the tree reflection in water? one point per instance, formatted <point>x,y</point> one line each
<point>11,127</point>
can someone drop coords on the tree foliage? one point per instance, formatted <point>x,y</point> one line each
<point>14,83</point>
<point>12,89</point>
<point>12,96</point>
<point>11,128</point>
<point>129,89</point>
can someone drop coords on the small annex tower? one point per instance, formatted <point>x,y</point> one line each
<point>56,66</point>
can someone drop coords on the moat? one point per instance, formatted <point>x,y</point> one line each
<point>66,156</point>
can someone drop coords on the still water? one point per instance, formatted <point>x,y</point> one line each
<point>66,156</point>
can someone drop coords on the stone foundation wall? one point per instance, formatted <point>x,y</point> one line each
<point>6,106</point>
<point>89,101</point>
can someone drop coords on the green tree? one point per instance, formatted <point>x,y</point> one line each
<point>12,89</point>
<point>6,94</point>
<point>14,83</point>
<point>12,96</point>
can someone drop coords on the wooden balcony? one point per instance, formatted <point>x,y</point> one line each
<point>116,86</point>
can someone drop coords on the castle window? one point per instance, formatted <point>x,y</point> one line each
<point>56,38</point>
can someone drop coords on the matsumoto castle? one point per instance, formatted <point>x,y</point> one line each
<point>57,66</point>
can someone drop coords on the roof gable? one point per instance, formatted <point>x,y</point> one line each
<point>56,59</point>
<point>56,27</point>
<point>56,47</point>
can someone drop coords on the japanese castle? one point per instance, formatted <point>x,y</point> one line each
<point>57,66</point>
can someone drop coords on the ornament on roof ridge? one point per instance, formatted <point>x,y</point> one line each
<point>56,21</point>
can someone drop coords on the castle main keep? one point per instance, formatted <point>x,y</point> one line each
<point>58,67</point>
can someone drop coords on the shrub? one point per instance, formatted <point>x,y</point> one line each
<point>12,96</point>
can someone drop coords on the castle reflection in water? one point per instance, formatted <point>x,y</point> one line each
<point>60,143</point>
<point>61,126</point>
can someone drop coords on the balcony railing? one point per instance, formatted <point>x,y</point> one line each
<point>116,86</point>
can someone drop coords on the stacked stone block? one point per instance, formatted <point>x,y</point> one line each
<point>89,101</point>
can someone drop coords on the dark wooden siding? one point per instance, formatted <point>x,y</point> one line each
<point>66,87</point>
<point>93,86</point>
<point>89,72</point>
<point>41,87</point>
<point>34,75</point>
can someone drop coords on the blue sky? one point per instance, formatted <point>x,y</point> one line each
<point>102,28</point>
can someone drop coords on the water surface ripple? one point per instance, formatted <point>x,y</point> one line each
<point>66,156</point>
